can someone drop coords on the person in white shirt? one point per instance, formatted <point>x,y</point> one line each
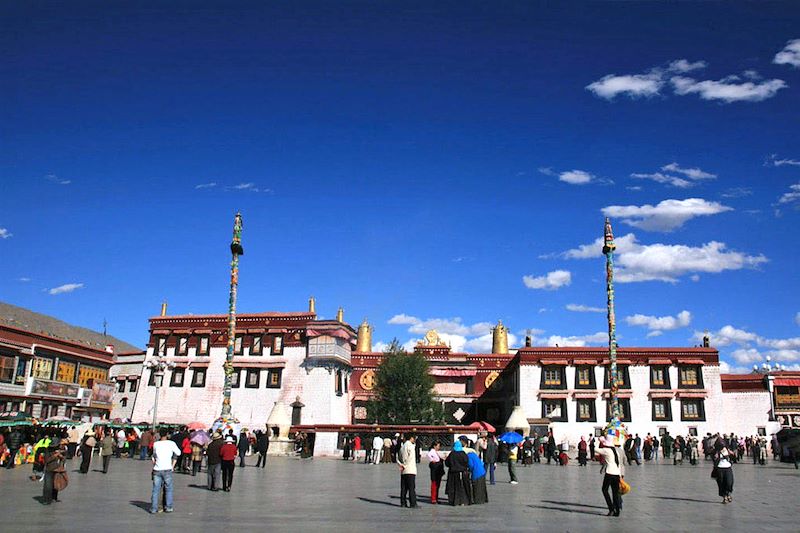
<point>407,459</point>
<point>165,455</point>
<point>377,446</point>
<point>723,472</point>
<point>614,472</point>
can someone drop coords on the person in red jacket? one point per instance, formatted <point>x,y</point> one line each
<point>356,447</point>
<point>228,454</point>
<point>186,457</point>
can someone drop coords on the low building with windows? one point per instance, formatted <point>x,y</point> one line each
<point>50,368</point>
<point>126,375</point>
<point>320,374</point>
<point>288,361</point>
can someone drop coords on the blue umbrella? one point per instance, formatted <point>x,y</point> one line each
<point>511,437</point>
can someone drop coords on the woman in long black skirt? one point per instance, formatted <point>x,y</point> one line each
<point>723,466</point>
<point>458,482</point>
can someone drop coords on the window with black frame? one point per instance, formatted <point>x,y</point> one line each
<point>692,409</point>
<point>659,377</point>
<point>177,377</point>
<point>274,378</point>
<point>555,409</point>
<point>584,377</point>
<point>690,377</point>
<point>624,409</point>
<point>623,378</point>
<point>585,410</point>
<point>252,378</point>
<point>198,377</point>
<point>662,410</point>
<point>553,377</point>
<point>236,378</point>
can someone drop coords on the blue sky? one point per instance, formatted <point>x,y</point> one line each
<point>419,164</point>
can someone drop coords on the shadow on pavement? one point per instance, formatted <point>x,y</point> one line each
<point>390,504</point>
<point>196,486</point>
<point>577,511</point>
<point>576,504</point>
<point>141,505</point>
<point>682,499</point>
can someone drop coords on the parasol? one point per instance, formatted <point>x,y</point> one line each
<point>511,437</point>
<point>196,425</point>
<point>482,426</point>
<point>200,437</point>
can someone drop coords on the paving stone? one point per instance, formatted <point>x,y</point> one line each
<point>334,495</point>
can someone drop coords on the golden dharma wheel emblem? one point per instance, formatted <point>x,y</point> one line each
<point>367,380</point>
<point>491,378</point>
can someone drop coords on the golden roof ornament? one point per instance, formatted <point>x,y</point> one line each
<point>500,338</point>
<point>364,342</point>
<point>432,338</point>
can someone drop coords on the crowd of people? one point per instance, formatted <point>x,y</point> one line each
<point>467,465</point>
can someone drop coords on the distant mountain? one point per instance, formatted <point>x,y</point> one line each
<point>22,318</point>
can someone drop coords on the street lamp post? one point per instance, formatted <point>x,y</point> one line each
<point>157,366</point>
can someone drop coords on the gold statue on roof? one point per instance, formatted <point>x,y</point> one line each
<point>432,338</point>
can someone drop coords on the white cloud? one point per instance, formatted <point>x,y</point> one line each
<point>5,234</point>
<point>658,177</point>
<point>24,280</point>
<point>550,281</point>
<point>655,333</point>
<point>600,337</point>
<point>547,171</point>
<point>683,65</point>
<point>797,319</point>
<point>404,319</point>
<point>206,185</point>
<point>693,173</point>
<point>728,89</point>
<point>55,179</point>
<point>747,356</point>
<point>694,277</point>
<point>633,86</point>
<point>660,323</point>
<point>790,55</point>
<point>66,288</point>
<point>449,326</point>
<point>666,262</point>
<point>792,196</point>
<point>250,186</point>
<point>737,192</point>
<point>773,159</point>
<point>667,216</point>
<point>580,308</point>
<point>575,177</point>
<point>380,346</point>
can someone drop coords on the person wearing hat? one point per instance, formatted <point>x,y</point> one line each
<point>53,462</point>
<point>214,462</point>
<point>614,469</point>
<point>87,446</point>
<point>228,454</point>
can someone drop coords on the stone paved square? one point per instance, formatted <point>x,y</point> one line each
<point>326,494</point>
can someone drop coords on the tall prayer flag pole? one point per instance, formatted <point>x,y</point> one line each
<point>614,429</point>
<point>236,251</point>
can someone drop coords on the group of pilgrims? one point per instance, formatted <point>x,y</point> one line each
<point>466,474</point>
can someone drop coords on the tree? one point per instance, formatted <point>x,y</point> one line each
<point>404,390</point>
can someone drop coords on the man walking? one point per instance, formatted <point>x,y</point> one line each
<point>262,447</point>
<point>13,442</point>
<point>106,449</point>
<point>377,446</point>
<point>490,456</point>
<point>144,444</point>
<point>407,460</point>
<point>87,447</point>
<point>214,461</point>
<point>165,455</point>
